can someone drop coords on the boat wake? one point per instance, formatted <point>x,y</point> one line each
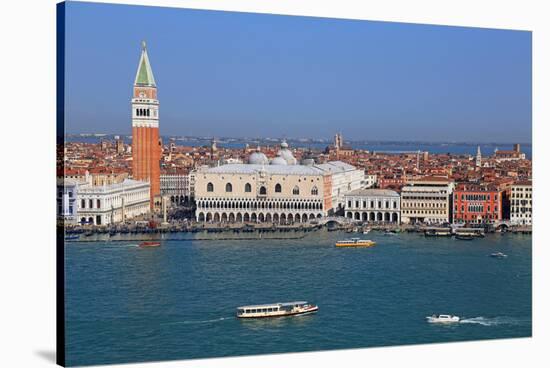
<point>199,321</point>
<point>495,321</point>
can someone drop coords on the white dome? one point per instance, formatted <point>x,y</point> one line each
<point>258,158</point>
<point>284,144</point>
<point>278,161</point>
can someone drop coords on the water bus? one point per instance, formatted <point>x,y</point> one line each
<point>435,231</point>
<point>276,310</point>
<point>477,232</point>
<point>355,242</point>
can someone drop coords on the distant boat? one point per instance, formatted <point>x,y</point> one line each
<point>366,231</point>
<point>443,232</point>
<point>276,310</point>
<point>443,318</point>
<point>149,244</point>
<point>498,255</point>
<point>465,237</point>
<point>72,237</point>
<point>355,242</point>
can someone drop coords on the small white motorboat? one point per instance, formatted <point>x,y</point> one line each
<point>498,255</point>
<point>366,231</point>
<point>443,318</point>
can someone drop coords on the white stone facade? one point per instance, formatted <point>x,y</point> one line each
<point>67,206</point>
<point>108,204</point>
<point>426,201</point>
<point>370,180</point>
<point>192,179</point>
<point>373,205</point>
<point>175,187</point>
<point>345,178</point>
<point>258,193</point>
<point>521,204</point>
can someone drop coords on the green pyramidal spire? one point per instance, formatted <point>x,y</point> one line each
<point>144,75</point>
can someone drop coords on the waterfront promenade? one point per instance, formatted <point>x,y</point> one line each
<point>90,233</point>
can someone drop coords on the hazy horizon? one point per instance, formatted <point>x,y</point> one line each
<point>294,139</point>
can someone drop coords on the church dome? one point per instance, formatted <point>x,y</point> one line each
<point>278,161</point>
<point>258,158</point>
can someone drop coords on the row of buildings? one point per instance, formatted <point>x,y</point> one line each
<point>437,200</point>
<point>105,198</point>
<point>281,190</point>
<point>85,203</point>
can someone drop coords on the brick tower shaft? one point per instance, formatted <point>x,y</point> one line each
<point>146,144</point>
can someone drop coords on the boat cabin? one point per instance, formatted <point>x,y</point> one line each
<point>266,310</point>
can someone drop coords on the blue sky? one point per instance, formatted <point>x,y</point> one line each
<point>251,75</point>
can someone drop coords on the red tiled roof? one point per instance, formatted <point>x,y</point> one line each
<point>523,182</point>
<point>433,178</point>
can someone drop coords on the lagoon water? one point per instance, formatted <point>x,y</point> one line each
<point>128,304</point>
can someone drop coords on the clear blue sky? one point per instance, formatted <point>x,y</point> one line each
<point>242,75</point>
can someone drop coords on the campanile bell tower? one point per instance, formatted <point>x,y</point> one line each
<point>146,145</point>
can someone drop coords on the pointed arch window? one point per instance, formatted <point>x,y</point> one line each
<point>263,190</point>
<point>278,188</point>
<point>228,187</point>
<point>296,190</point>
<point>314,191</point>
<point>248,188</point>
<point>209,187</point>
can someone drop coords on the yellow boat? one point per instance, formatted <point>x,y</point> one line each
<point>355,242</point>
